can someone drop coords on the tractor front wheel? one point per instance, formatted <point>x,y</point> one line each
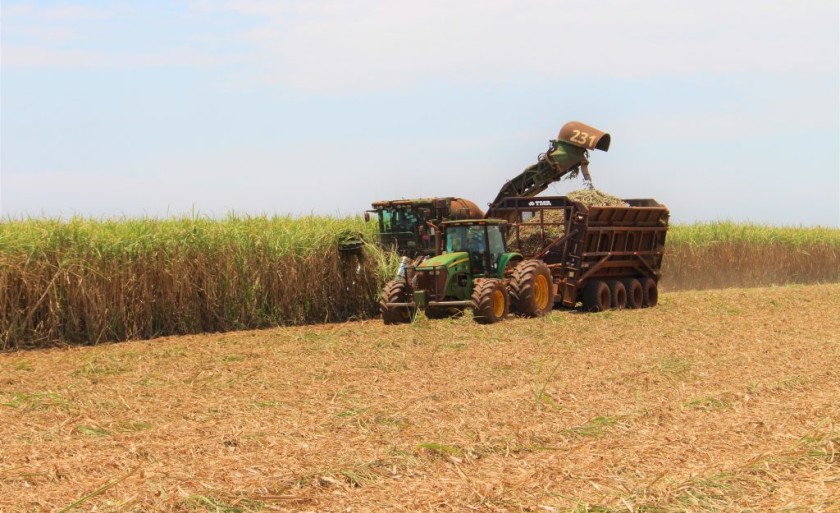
<point>531,289</point>
<point>395,291</point>
<point>490,301</point>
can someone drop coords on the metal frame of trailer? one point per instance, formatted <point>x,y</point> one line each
<point>597,243</point>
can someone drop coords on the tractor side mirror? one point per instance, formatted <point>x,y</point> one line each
<point>367,216</point>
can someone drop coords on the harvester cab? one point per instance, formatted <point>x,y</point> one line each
<point>475,270</point>
<point>410,226</point>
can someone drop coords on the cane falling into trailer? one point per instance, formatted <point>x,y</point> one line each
<point>408,225</point>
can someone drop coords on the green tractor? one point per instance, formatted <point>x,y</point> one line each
<point>473,270</point>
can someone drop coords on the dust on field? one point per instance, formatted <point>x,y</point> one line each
<point>712,401</point>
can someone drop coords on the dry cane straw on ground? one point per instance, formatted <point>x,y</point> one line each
<point>712,401</point>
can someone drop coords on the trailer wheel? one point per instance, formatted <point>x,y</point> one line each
<point>596,296</point>
<point>395,291</point>
<point>619,294</point>
<point>635,293</point>
<point>531,289</point>
<point>651,293</point>
<point>490,301</point>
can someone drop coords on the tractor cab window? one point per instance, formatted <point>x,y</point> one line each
<point>470,239</point>
<point>496,243</point>
<point>465,238</point>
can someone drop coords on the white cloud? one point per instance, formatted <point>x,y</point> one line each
<point>39,57</point>
<point>62,12</point>
<point>81,37</point>
<point>380,44</point>
<point>23,56</point>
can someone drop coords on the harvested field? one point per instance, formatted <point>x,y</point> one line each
<point>712,401</point>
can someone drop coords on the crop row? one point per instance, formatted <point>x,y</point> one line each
<point>87,281</point>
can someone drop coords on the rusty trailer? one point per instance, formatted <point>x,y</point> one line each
<point>601,256</point>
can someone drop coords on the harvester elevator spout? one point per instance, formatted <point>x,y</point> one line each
<point>565,156</point>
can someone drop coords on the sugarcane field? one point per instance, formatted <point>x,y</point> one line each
<point>372,257</point>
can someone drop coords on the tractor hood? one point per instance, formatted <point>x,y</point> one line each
<point>447,260</point>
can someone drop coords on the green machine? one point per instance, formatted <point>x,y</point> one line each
<point>474,270</point>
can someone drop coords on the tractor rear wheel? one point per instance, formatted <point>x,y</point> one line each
<point>531,289</point>
<point>619,294</point>
<point>651,293</point>
<point>596,296</point>
<point>395,291</point>
<point>635,293</point>
<point>490,301</point>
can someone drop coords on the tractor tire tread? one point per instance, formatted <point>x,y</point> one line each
<point>592,296</point>
<point>618,294</point>
<point>522,289</point>
<point>395,291</point>
<point>635,293</point>
<point>482,300</point>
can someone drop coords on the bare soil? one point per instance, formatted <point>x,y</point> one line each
<point>712,401</point>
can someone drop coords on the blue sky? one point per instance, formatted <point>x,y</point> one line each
<point>725,110</point>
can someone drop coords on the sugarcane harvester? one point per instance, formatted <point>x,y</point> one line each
<point>409,226</point>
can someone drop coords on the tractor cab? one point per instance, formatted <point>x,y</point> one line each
<point>483,241</point>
